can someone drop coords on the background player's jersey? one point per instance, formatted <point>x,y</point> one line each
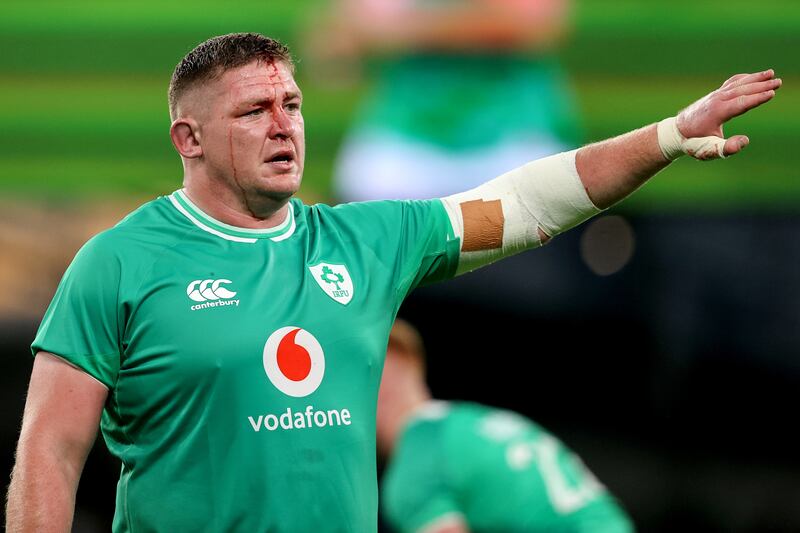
<point>494,470</point>
<point>243,365</point>
<point>456,111</point>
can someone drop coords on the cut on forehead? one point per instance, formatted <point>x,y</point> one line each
<point>212,58</point>
<point>241,84</point>
<point>258,84</point>
<point>260,72</point>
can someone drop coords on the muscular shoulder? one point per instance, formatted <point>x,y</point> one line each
<point>352,219</point>
<point>427,430</point>
<point>383,215</point>
<point>491,423</point>
<point>127,248</point>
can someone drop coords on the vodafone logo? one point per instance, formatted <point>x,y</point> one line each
<point>295,364</point>
<point>294,361</point>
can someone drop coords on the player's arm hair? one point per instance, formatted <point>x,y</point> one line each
<point>525,207</point>
<point>59,426</point>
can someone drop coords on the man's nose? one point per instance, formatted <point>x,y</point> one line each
<point>283,125</point>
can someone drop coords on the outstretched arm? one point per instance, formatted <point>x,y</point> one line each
<point>529,205</point>
<point>612,169</point>
<point>59,426</point>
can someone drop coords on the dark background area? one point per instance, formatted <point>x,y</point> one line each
<point>675,378</point>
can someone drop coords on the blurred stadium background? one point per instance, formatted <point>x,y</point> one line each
<point>667,352</point>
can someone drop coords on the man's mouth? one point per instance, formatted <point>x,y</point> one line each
<point>282,157</point>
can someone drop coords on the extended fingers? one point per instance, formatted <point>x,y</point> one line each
<point>742,79</point>
<point>751,88</point>
<point>745,103</point>
<point>732,80</point>
<point>739,94</point>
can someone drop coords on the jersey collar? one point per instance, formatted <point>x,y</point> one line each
<point>207,223</point>
<point>431,410</point>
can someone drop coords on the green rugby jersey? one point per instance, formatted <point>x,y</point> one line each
<point>494,470</point>
<point>451,99</point>
<point>515,96</point>
<point>243,365</point>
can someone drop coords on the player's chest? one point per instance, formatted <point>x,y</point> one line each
<point>292,317</point>
<point>241,286</point>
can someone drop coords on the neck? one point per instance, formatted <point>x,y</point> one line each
<point>235,207</point>
<point>395,415</point>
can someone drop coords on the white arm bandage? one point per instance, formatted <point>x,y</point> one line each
<point>502,217</point>
<point>673,144</point>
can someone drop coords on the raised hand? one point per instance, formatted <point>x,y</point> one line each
<point>738,94</point>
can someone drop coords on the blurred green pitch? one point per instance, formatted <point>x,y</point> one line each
<point>83,92</point>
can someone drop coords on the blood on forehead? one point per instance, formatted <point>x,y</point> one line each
<point>272,71</point>
<point>262,79</point>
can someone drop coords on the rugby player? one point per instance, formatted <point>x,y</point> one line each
<point>229,340</point>
<point>455,467</point>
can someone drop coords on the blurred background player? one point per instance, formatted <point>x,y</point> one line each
<point>455,467</point>
<point>460,91</point>
<point>464,90</point>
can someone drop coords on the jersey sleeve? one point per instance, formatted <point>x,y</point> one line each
<point>416,492</point>
<point>82,323</point>
<point>414,239</point>
<point>428,247</point>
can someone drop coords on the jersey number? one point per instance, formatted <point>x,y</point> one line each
<point>565,495</point>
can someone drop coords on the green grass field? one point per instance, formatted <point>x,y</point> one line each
<point>83,92</point>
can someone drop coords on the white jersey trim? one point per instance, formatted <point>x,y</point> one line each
<point>286,223</point>
<point>202,220</point>
<point>442,521</point>
<point>203,227</point>
<point>291,229</point>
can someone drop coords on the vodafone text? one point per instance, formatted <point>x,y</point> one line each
<point>300,420</point>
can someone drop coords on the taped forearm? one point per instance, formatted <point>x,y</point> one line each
<point>503,216</point>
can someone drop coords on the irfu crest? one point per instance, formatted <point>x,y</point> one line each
<point>335,280</point>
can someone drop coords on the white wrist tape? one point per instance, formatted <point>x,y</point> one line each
<point>503,216</point>
<point>673,144</point>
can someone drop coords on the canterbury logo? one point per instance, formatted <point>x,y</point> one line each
<point>210,293</point>
<point>209,289</point>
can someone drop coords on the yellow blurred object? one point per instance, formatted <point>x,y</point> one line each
<point>38,242</point>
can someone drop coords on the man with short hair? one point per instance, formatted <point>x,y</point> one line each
<point>229,340</point>
<point>455,467</point>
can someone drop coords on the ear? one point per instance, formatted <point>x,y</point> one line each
<point>185,135</point>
